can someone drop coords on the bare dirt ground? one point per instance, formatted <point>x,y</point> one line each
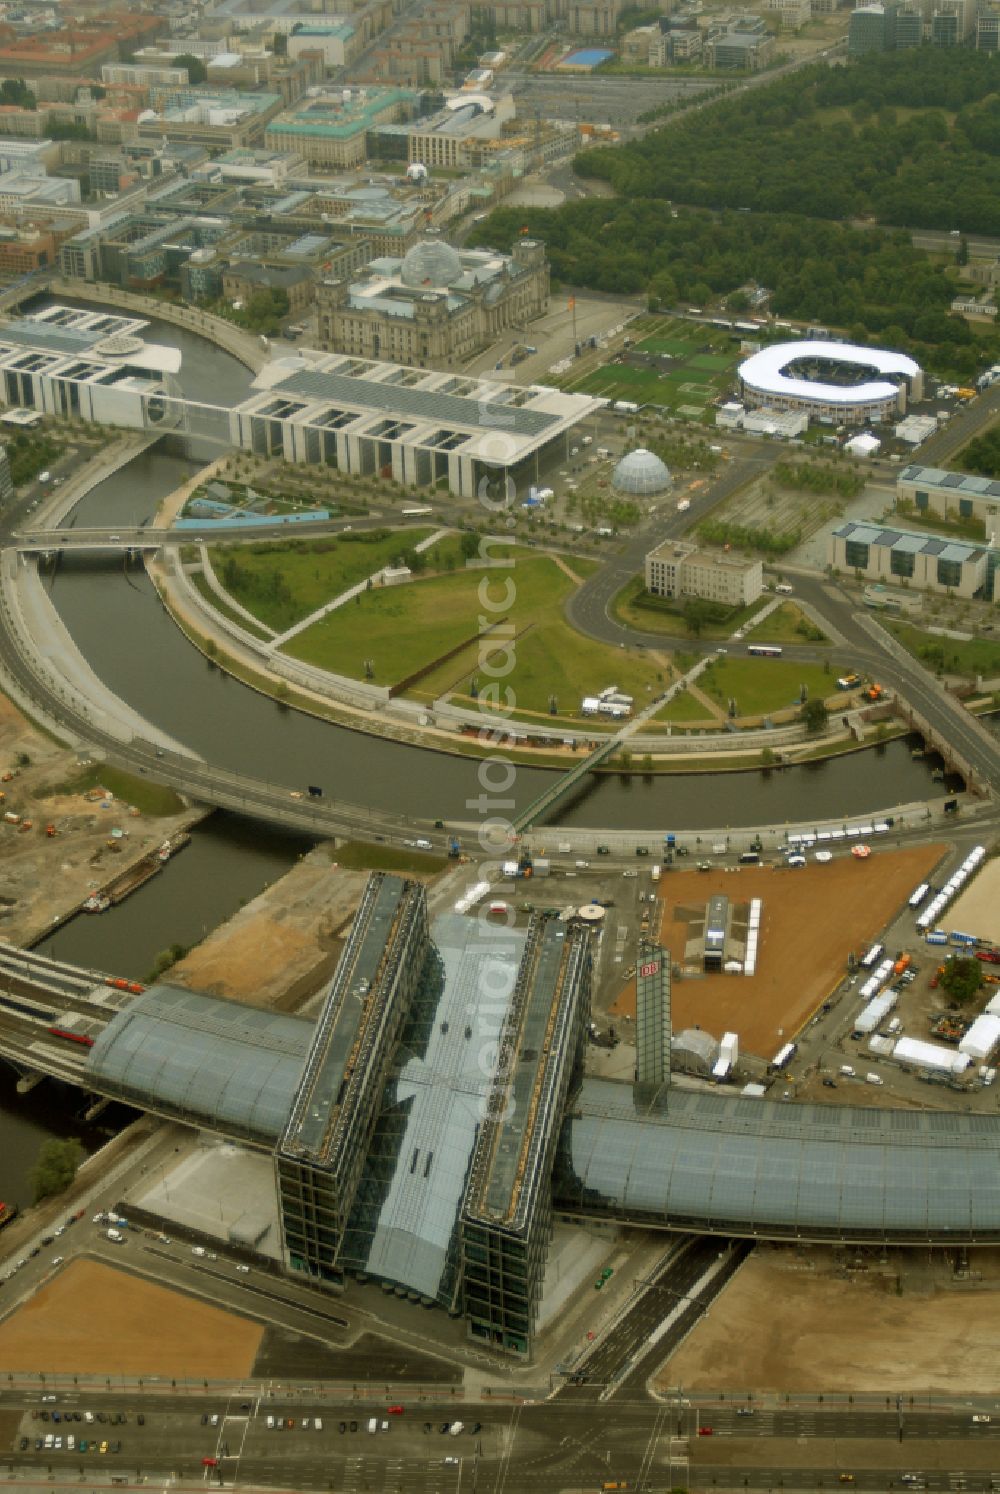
<point>43,879</point>
<point>812,917</point>
<point>977,911</point>
<point>277,950</point>
<point>92,1319</point>
<point>792,1323</point>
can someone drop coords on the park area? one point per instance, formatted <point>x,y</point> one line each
<point>679,365</point>
<point>795,1323</point>
<point>93,1320</point>
<point>390,633</point>
<point>812,918</point>
<point>756,687</point>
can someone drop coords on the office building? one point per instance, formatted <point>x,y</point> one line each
<point>506,1216</point>
<point>679,569</point>
<point>331,130</point>
<point>950,495</point>
<point>923,562</point>
<point>652,1018</point>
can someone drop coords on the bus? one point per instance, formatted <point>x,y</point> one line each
<point>764,650</point>
<point>918,894</point>
<point>784,1056</point>
<point>871,959</point>
<point>416,513</point>
<point>955,937</point>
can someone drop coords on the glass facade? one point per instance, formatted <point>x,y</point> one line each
<point>856,554</point>
<point>949,573</point>
<point>901,562</point>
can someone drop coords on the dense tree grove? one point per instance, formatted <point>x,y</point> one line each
<point>983,455</point>
<point>872,283</point>
<point>910,138</point>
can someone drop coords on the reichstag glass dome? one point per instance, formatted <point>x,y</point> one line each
<point>431,262</point>
<point>640,472</point>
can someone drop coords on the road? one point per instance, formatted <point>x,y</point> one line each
<point>533,1447</point>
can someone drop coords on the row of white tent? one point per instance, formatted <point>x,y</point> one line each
<point>928,918</point>
<point>753,934</point>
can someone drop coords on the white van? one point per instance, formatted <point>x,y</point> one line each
<point>847,1071</point>
<point>318,1423</point>
<point>373,1424</point>
<point>424,845</point>
<point>873,1078</point>
<point>455,1428</point>
<point>654,873</point>
<point>198,1250</point>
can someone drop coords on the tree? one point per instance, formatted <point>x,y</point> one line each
<point>56,1167</point>
<point>963,975</point>
<point>194,67</point>
<point>815,716</point>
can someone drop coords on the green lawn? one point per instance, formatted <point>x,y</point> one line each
<point>674,347</point>
<point>977,656</point>
<point>761,686</point>
<point>406,627</point>
<point>212,599</point>
<point>361,855</point>
<point>281,584</point>
<point>713,362</point>
<point>781,626</point>
<point>685,708</point>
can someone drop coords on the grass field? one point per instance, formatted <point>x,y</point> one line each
<point>367,857</point>
<point>780,626</point>
<point>281,584</point>
<point>977,656</point>
<point>406,627</point>
<point>704,359</point>
<point>683,709</point>
<point>760,686</point>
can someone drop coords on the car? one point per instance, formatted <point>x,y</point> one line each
<point>58,1444</point>
<point>385,1426</point>
<point>60,1231</point>
<point>44,1415</point>
<point>354,1426</point>
<point>796,860</point>
<point>395,1410</point>
<point>39,1444</point>
<point>705,1431</point>
<point>444,1427</point>
<point>103,1448</point>
<point>102,1417</point>
<point>24,1444</point>
<point>47,1239</point>
<point>57,1260</point>
<point>116,1447</point>
<point>71,1443</point>
<point>213,1420</point>
<point>205,1462</point>
<point>476,1427</point>
<point>847,1478</point>
<point>243,1270</point>
<point>82,1445</point>
<point>56,1416</point>
<point>342,1427</point>
<point>204,1419</point>
<point>823,855</point>
<point>141,1419</point>
<point>980,1417</point>
<point>953,233</point>
<point>48,1397</point>
<point>829,1084</point>
<point>722,650</point>
<point>289,1422</point>
<point>604,850</point>
<point>77,1416</point>
<point>451,1461</point>
<point>305,1422</point>
<point>88,1416</point>
<point>744,1411</point>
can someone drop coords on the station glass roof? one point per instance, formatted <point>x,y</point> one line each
<point>750,1167</point>
<point>427,404</point>
<point>203,1059</point>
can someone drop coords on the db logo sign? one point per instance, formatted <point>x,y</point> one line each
<point>649,969</point>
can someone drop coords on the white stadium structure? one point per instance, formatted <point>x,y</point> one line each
<point>884,382</point>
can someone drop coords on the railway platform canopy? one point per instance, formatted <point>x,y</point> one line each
<point>735,1166</point>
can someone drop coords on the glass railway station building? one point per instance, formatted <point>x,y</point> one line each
<point>428,1126</point>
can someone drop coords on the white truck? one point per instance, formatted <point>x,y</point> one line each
<point>683,504</point>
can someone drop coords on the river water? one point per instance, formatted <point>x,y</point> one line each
<point>130,642</point>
